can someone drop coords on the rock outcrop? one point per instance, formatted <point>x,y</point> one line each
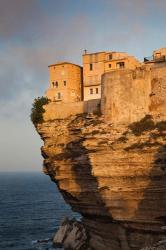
<point>72,235</point>
<point>115,177</point>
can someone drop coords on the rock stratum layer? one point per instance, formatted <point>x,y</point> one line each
<point>115,179</point>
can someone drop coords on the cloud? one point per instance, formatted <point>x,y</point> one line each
<point>24,66</point>
<point>19,17</point>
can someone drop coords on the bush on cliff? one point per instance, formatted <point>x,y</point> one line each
<point>144,124</point>
<point>38,110</point>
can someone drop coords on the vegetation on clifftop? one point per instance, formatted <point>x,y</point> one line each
<point>143,125</point>
<point>38,110</point>
<point>147,124</point>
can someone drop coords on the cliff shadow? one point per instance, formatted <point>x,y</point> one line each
<point>151,210</point>
<point>88,198</point>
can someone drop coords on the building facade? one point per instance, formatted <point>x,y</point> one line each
<point>65,83</point>
<point>96,64</point>
<point>157,59</point>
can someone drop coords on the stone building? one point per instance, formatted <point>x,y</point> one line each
<point>96,64</point>
<point>65,84</point>
<point>157,59</point>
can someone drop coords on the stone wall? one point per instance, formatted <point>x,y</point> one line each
<point>125,95</point>
<point>128,95</point>
<point>158,94</point>
<point>59,110</point>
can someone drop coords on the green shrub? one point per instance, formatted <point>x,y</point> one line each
<point>38,110</point>
<point>144,124</point>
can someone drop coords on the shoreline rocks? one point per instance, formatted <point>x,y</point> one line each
<point>71,235</point>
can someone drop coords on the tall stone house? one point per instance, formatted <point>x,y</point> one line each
<point>65,83</point>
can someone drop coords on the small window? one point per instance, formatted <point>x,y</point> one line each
<point>120,65</point>
<point>110,56</point>
<point>158,54</point>
<point>56,84</point>
<point>59,95</point>
<point>64,82</point>
<point>91,66</point>
<point>91,91</point>
<point>97,90</point>
<point>52,84</point>
<point>109,65</point>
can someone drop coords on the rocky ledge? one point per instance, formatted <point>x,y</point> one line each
<point>115,177</point>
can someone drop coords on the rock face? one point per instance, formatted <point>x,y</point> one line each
<point>114,177</point>
<point>72,235</point>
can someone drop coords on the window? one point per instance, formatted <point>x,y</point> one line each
<point>110,56</point>
<point>120,65</point>
<point>91,91</point>
<point>109,65</point>
<point>157,55</point>
<point>64,82</point>
<point>56,84</point>
<point>97,90</point>
<point>59,95</point>
<point>52,84</point>
<point>91,66</point>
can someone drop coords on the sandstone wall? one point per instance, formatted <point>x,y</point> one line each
<point>128,95</point>
<point>158,93</point>
<point>61,110</point>
<point>125,95</point>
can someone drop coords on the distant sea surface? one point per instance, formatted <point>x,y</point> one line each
<point>31,208</point>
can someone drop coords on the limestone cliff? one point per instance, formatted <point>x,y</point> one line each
<point>115,177</point>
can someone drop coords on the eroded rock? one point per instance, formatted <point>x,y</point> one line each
<point>114,178</point>
<point>71,235</point>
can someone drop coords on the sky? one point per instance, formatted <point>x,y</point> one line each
<point>36,33</point>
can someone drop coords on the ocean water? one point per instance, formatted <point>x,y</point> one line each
<point>31,208</point>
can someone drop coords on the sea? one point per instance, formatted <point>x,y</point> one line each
<point>31,210</point>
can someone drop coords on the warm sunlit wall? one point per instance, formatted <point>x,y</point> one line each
<point>93,68</point>
<point>96,64</point>
<point>65,82</point>
<point>120,61</point>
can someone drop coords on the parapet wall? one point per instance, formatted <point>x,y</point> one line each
<point>55,110</point>
<point>158,92</point>
<point>125,95</point>
<point>128,95</point>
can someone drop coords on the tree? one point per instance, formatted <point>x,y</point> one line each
<point>38,110</point>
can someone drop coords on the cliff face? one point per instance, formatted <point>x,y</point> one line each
<point>114,177</point>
